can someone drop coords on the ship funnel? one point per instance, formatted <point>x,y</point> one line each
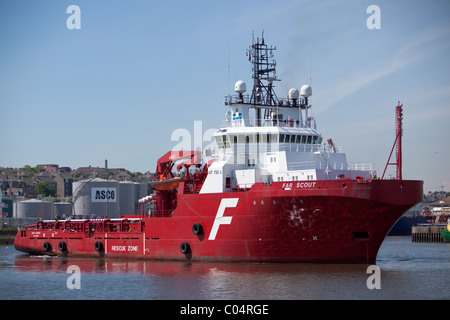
<point>306,91</point>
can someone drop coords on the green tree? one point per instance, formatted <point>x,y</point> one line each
<point>45,189</point>
<point>32,170</point>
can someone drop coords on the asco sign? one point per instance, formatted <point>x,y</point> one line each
<point>104,194</point>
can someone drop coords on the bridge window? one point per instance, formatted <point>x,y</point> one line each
<point>293,138</point>
<point>298,139</point>
<point>225,141</point>
<point>265,138</point>
<point>219,141</point>
<point>274,138</point>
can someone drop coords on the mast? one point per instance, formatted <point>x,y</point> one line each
<point>399,133</point>
<point>397,143</point>
<point>264,69</point>
<point>267,109</point>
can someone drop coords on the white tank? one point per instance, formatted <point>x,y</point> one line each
<point>62,209</point>
<point>94,197</point>
<point>34,209</point>
<point>240,86</point>
<point>306,91</point>
<point>129,195</point>
<point>293,94</point>
<point>97,197</point>
<point>126,198</point>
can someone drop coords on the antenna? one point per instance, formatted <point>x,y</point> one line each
<point>228,66</point>
<point>310,73</point>
<point>106,169</point>
<point>264,70</point>
<point>262,99</point>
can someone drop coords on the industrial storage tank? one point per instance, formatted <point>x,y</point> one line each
<point>129,194</point>
<point>62,209</point>
<point>34,209</point>
<point>97,197</point>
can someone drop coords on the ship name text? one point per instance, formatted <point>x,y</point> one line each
<point>298,185</point>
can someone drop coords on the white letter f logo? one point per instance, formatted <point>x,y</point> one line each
<point>220,219</point>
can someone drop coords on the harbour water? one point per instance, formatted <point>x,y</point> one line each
<point>408,270</point>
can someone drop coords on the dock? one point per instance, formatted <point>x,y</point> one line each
<point>427,233</point>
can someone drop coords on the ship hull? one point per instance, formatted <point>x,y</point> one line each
<point>330,221</point>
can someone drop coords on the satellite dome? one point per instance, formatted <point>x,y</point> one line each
<point>240,86</point>
<point>293,94</point>
<point>306,91</point>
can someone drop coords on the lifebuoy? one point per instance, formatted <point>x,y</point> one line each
<point>62,246</point>
<point>47,247</point>
<point>98,246</point>
<point>185,248</point>
<point>197,228</point>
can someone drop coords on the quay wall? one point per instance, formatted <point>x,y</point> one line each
<point>427,233</point>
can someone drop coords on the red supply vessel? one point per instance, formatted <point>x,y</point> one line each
<point>271,191</point>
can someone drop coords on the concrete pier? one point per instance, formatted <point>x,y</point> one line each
<point>427,233</point>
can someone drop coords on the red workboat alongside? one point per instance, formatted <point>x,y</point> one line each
<point>272,191</point>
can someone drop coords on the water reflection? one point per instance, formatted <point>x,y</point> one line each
<point>175,280</point>
<point>408,271</point>
<point>27,263</point>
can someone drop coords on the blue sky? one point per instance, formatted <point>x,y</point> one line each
<point>138,70</point>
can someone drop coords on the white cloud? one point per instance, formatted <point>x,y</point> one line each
<point>419,48</point>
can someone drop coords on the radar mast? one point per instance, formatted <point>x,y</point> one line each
<point>264,69</point>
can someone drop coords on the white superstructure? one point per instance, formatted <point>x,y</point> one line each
<point>266,139</point>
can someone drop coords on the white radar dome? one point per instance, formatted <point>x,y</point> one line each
<point>306,91</point>
<point>240,86</point>
<point>293,94</point>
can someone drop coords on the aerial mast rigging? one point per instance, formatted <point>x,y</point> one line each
<point>397,143</point>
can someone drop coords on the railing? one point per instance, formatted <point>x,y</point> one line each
<point>246,99</point>
<point>307,165</point>
<point>251,122</point>
<point>87,225</point>
<point>254,147</point>
<point>264,123</point>
<point>360,166</point>
<point>307,147</point>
